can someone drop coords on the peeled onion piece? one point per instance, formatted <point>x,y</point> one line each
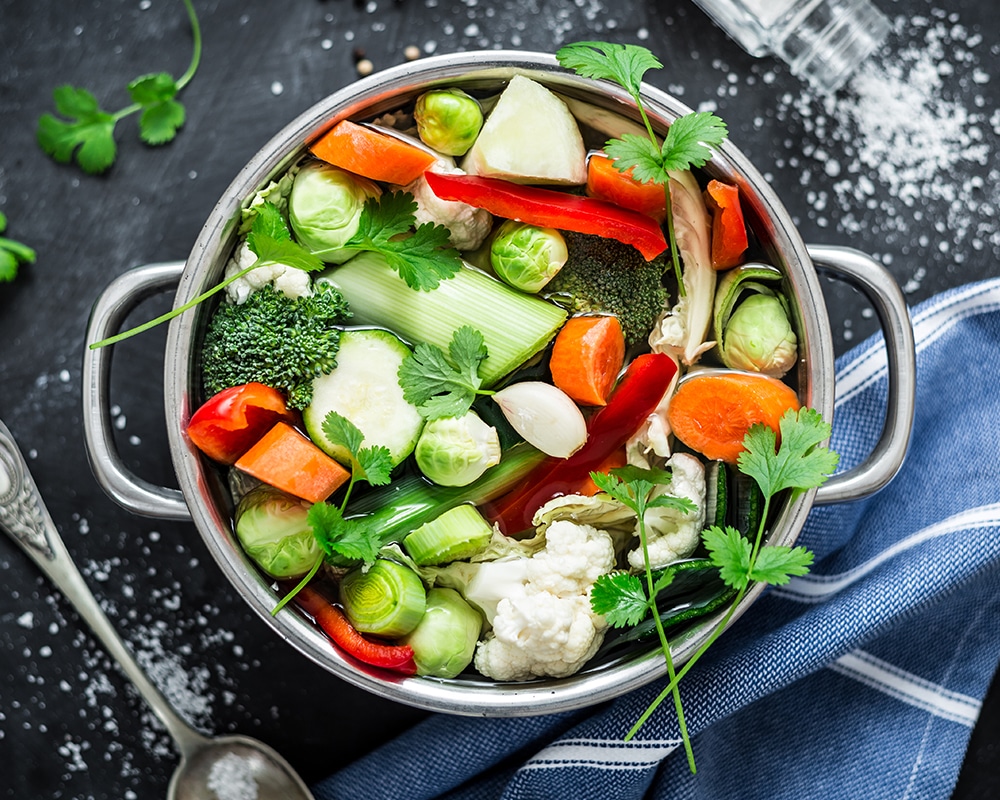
<point>545,416</point>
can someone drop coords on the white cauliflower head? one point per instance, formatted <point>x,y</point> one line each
<point>671,534</point>
<point>291,281</point>
<point>574,557</point>
<point>467,224</point>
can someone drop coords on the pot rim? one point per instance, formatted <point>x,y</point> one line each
<point>206,494</point>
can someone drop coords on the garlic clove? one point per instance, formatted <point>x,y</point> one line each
<point>545,416</point>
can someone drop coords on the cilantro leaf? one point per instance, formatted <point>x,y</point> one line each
<point>353,539</point>
<point>271,241</point>
<point>89,134</point>
<point>799,463</point>
<point>729,550</point>
<point>625,64</point>
<point>440,386</point>
<point>775,564</point>
<point>422,258</point>
<point>12,254</point>
<point>639,154</point>
<point>690,140</point>
<point>162,115</point>
<point>620,598</point>
<point>372,464</point>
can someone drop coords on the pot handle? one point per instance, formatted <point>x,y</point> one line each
<point>112,307</point>
<point>881,289</point>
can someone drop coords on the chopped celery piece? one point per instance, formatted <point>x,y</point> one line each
<point>515,326</point>
<point>458,533</point>
<point>387,600</point>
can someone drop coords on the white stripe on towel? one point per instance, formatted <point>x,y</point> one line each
<point>612,754</point>
<point>908,688</point>
<point>814,588</point>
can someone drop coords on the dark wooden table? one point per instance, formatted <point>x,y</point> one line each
<point>70,727</point>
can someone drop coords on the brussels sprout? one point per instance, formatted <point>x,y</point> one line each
<point>324,209</point>
<point>751,327</point>
<point>444,640</point>
<point>525,256</point>
<point>759,337</point>
<point>273,530</point>
<point>454,451</point>
<point>448,120</point>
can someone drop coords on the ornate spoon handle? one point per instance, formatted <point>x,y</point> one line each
<point>25,518</point>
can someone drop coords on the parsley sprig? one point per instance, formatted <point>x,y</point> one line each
<point>269,239</point>
<point>422,258</point>
<point>799,464</point>
<point>443,384</point>
<point>621,597</point>
<point>689,139</point>
<point>355,539</point>
<point>89,134</point>
<point>12,254</point>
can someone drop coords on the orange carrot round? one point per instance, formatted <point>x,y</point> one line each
<point>586,358</point>
<point>606,182</point>
<point>373,155</point>
<point>712,413</point>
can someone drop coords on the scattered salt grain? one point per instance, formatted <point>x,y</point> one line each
<point>232,778</point>
<point>26,620</point>
<point>277,88</point>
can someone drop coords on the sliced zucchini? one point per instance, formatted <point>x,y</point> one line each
<point>365,389</point>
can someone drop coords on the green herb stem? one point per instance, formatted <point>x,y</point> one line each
<point>284,601</point>
<point>196,49</point>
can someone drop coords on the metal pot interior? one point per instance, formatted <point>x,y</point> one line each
<point>204,487</point>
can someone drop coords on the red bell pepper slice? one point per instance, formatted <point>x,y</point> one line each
<point>641,388</point>
<point>729,230</point>
<point>232,421</point>
<point>549,208</point>
<point>395,657</point>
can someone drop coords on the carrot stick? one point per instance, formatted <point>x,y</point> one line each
<point>712,413</point>
<point>587,356</point>
<point>605,182</point>
<point>373,155</point>
<point>287,460</point>
<point>729,231</point>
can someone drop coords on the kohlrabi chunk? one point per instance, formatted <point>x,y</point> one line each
<point>364,388</point>
<point>529,137</point>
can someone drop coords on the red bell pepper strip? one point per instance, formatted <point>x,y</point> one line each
<point>395,657</point>
<point>729,231</point>
<point>549,208</point>
<point>638,392</point>
<point>232,421</point>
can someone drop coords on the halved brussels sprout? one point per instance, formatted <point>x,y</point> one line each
<point>448,120</point>
<point>525,256</point>
<point>273,530</point>
<point>444,640</point>
<point>454,451</point>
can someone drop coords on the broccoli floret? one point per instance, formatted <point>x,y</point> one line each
<point>608,276</point>
<point>279,341</point>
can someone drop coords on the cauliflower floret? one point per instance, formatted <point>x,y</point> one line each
<point>540,635</point>
<point>672,534</point>
<point>467,224</point>
<point>550,628</point>
<point>291,281</point>
<point>574,557</point>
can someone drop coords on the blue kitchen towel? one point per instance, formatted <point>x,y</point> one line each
<point>862,679</point>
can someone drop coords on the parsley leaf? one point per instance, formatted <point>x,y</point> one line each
<point>690,140</point>
<point>444,385</point>
<point>422,258</point>
<point>12,254</point>
<point>776,564</point>
<point>371,464</point>
<point>729,550</point>
<point>271,241</point>
<point>625,64</point>
<point>88,132</point>
<point>353,539</point>
<point>620,598</point>
<point>799,463</point>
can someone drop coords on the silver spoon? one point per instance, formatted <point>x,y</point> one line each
<point>226,767</point>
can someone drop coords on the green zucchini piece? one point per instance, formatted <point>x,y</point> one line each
<point>515,326</point>
<point>457,534</point>
<point>388,599</point>
<point>365,389</point>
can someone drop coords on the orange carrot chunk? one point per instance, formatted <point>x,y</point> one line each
<point>373,155</point>
<point>287,460</point>
<point>712,413</point>
<point>605,182</point>
<point>587,356</point>
<point>618,459</point>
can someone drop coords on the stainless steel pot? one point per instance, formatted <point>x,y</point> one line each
<point>204,499</point>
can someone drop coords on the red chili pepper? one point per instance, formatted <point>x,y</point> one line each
<point>232,421</point>
<point>635,398</point>
<point>729,231</point>
<point>395,657</point>
<point>549,208</point>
